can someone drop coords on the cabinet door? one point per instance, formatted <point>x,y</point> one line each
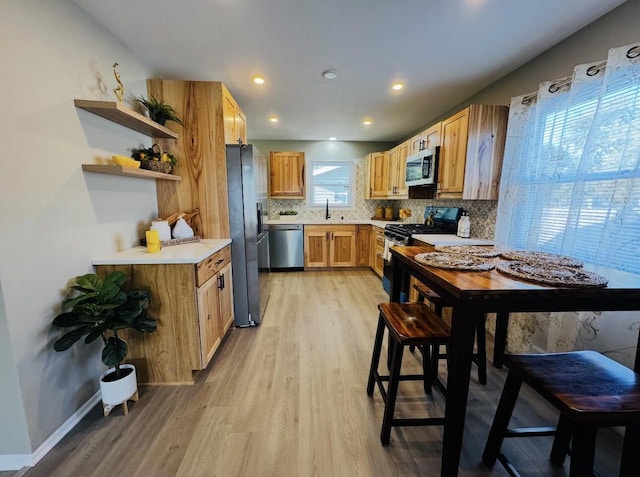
<point>417,143</point>
<point>241,126</point>
<point>315,247</point>
<point>378,173</point>
<point>286,175</point>
<point>208,319</point>
<point>229,118</point>
<point>377,249</point>
<point>225,298</point>
<point>342,248</point>
<point>432,136</point>
<point>400,189</point>
<point>453,155</point>
<point>363,240</point>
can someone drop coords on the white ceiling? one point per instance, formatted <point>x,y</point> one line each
<point>443,50</point>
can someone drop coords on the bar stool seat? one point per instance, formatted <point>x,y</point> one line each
<point>425,294</point>
<point>590,391</point>
<point>408,324</point>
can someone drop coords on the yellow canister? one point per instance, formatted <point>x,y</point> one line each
<point>153,241</point>
<point>388,213</point>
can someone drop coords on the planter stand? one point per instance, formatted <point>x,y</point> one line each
<point>119,392</point>
<point>107,408</point>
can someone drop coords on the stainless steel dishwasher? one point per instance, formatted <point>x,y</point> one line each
<point>286,246</point>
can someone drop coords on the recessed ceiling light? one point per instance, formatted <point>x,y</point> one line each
<point>273,119</point>
<point>258,80</point>
<point>367,122</point>
<point>329,74</point>
<point>397,86</point>
<point>333,138</point>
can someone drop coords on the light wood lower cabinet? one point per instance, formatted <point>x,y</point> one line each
<point>330,246</point>
<point>193,306</point>
<point>377,249</point>
<point>363,245</point>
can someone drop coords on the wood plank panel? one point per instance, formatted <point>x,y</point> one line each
<point>363,240</point>
<point>201,151</point>
<point>485,151</point>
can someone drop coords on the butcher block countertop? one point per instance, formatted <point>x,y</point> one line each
<point>445,239</point>
<point>193,252</point>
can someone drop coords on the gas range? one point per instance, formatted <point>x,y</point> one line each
<point>445,221</point>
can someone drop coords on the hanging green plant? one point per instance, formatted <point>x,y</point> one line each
<point>159,111</point>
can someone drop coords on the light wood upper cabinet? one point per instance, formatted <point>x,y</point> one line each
<point>427,139</point>
<point>386,173</point>
<point>453,155</point>
<point>377,175</point>
<point>235,121</point>
<point>471,153</point>
<point>330,246</point>
<point>286,175</point>
<point>397,171</point>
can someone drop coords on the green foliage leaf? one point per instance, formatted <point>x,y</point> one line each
<point>68,339</point>
<point>94,334</point>
<point>114,351</point>
<point>67,320</point>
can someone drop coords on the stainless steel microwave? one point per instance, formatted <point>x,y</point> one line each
<point>422,167</point>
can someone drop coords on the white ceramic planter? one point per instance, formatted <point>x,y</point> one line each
<point>117,392</point>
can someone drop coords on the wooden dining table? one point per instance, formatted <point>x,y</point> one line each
<point>472,294</point>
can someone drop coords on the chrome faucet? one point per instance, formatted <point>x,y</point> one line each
<point>327,214</point>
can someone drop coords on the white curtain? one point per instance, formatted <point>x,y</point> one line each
<point>571,174</point>
<point>571,185</point>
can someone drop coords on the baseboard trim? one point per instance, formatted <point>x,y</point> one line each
<point>18,461</point>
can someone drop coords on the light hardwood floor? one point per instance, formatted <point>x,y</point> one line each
<point>288,398</point>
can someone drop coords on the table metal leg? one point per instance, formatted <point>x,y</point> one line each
<point>500,342</point>
<point>463,327</point>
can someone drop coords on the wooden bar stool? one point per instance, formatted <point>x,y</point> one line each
<point>408,324</point>
<point>590,391</point>
<point>425,295</point>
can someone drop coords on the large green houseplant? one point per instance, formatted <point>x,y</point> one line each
<point>100,308</point>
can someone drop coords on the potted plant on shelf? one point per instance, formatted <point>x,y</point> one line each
<point>159,111</point>
<point>100,309</point>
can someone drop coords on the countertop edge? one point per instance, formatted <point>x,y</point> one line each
<point>185,253</point>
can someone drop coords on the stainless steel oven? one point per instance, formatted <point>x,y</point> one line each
<point>442,220</point>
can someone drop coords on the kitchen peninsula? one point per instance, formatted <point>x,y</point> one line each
<point>192,300</point>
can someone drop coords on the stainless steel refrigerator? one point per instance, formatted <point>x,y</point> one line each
<point>248,211</point>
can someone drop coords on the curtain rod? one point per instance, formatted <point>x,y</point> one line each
<point>632,53</point>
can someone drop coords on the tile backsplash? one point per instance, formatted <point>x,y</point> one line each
<point>481,212</point>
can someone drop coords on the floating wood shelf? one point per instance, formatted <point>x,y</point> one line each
<point>129,171</point>
<point>120,114</point>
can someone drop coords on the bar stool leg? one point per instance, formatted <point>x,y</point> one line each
<point>630,459</point>
<point>583,450</point>
<point>375,358</point>
<point>501,420</point>
<point>394,379</point>
<point>561,440</point>
<point>427,368</point>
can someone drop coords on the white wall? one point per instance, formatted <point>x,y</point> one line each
<point>53,217</point>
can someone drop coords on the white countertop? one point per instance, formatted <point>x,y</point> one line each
<point>446,239</point>
<point>185,253</point>
<point>332,221</point>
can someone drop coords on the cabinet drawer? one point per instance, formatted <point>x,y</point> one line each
<point>209,266</point>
